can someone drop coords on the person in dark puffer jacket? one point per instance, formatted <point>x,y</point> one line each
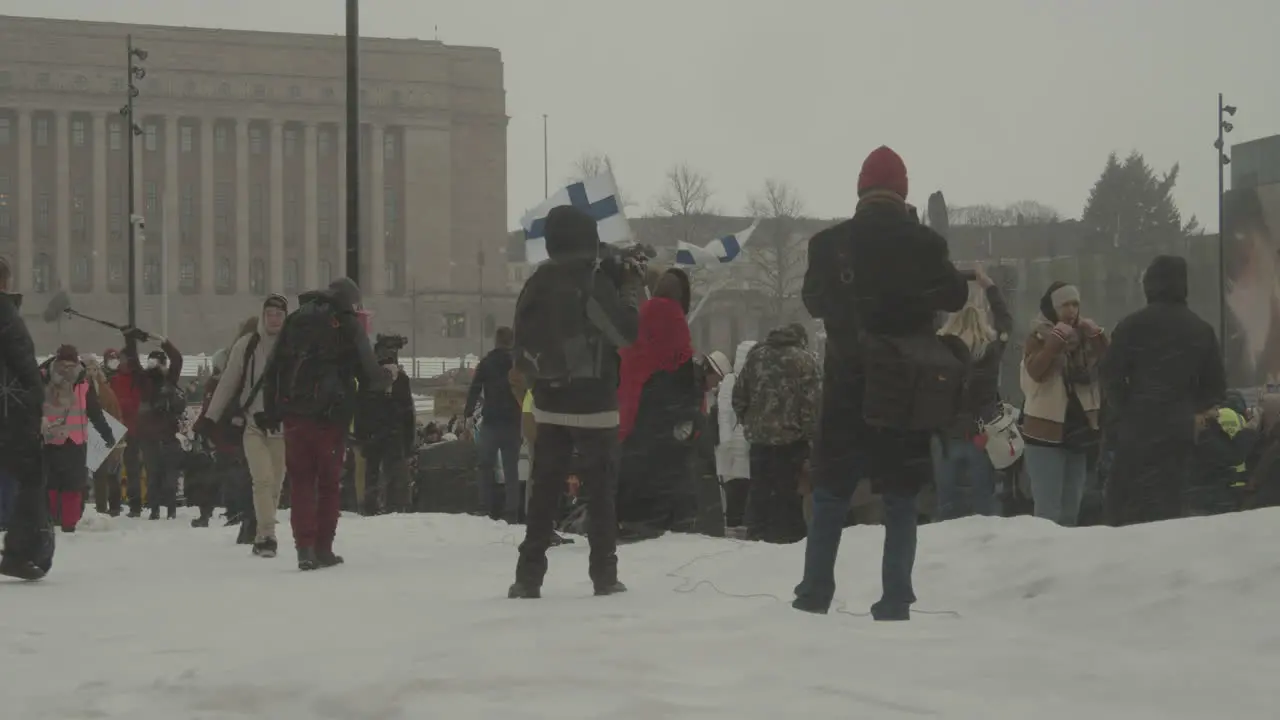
<point>499,434</point>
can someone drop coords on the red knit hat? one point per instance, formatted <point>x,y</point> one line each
<point>883,170</point>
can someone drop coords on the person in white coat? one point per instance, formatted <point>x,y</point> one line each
<point>733,462</point>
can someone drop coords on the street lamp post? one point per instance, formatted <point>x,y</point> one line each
<point>1224,126</point>
<point>353,140</point>
<point>135,72</point>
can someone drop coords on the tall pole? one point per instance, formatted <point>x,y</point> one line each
<point>128,131</point>
<point>413,320</point>
<point>546,180</point>
<point>353,140</point>
<point>480,289</point>
<point>1222,236</point>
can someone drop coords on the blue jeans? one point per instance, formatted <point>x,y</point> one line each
<point>951,458</point>
<point>8,492</point>
<point>1057,482</point>
<point>494,441</point>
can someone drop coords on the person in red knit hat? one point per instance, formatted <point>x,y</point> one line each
<point>881,273</point>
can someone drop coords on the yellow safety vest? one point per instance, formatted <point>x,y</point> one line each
<point>528,402</point>
<point>1231,423</point>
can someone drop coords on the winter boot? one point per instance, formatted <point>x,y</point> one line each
<point>612,588</point>
<point>557,540</point>
<point>173,513</point>
<point>11,566</point>
<point>135,512</point>
<point>203,520</point>
<point>520,591</point>
<point>885,612</point>
<point>265,549</point>
<point>246,534</point>
<point>805,603</point>
<point>155,513</point>
<point>307,559</point>
<point>326,558</point>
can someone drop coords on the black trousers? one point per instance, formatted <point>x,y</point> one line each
<point>1148,480</point>
<point>386,485</point>
<point>774,510</point>
<point>597,469</point>
<point>30,537</point>
<point>162,459</point>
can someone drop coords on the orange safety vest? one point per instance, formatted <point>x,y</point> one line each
<point>75,426</point>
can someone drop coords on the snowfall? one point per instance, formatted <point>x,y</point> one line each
<point>1017,619</point>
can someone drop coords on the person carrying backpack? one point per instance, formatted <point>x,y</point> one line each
<point>573,315</point>
<point>236,409</point>
<point>161,404</point>
<point>310,391</point>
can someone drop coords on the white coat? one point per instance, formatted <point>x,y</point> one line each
<point>733,454</point>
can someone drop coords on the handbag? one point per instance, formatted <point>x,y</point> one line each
<point>1004,442</point>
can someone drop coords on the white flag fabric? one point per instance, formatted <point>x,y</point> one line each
<point>97,449</point>
<point>718,251</point>
<point>596,196</point>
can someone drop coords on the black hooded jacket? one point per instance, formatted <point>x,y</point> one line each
<point>573,247</point>
<point>21,391</point>
<point>1164,363</point>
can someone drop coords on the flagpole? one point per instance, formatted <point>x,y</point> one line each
<point>546,176</point>
<point>716,286</point>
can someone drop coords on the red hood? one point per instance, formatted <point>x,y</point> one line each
<point>128,395</point>
<point>662,344</point>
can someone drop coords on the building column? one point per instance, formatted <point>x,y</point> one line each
<point>170,217</point>
<point>242,206</point>
<point>208,266</point>
<point>24,265</point>
<point>310,207</point>
<point>101,216</point>
<point>275,238</point>
<point>62,200</point>
<point>377,213</point>
<point>340,200</point>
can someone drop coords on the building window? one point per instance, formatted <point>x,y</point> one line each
<point>221,209</point>
<point>184,138</point>
<point>114,139</point>
<point>77,216</point>
<point>395,97</point>
<point>224,273</point>
<point>325,270</point>
<point>4,131</point>
<point>257,276</point>
<point>257,207</point>
<point>290,143</point>
<point>42,79</point>
<point>455,325</point>
<point>80,271</point>
<point>151,199</point>
<point>260,91</point>
<point>224,89</point>
<point>115,271</point>
<point>322,139</point>
<point>255,141</point>
<point>220,138</point>
<point>42,132</point>
<point>328,93</point>
<point>42,212</point>
<point>490,325</point>
<point>295,92</point>
<point>389,210</point>
<point>389,147</point>
<point>291,275</point>
<point>186,209</point>
<point>117,84</point>
<point>189,87</point>
<point>151,276</point>
<point>393,277</point>
<point>42,274</point>
<point>149,137</point>
<point>6,78</point>
<point>187,274</point>
<point>77,133</point>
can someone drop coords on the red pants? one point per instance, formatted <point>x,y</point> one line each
<point>65,508</point>
<point>313,453</point>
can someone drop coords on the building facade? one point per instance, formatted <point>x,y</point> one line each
<point>240,174</point>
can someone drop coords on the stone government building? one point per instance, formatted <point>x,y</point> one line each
<point>240,172</point>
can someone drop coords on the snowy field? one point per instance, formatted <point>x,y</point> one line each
<point>154,620</point>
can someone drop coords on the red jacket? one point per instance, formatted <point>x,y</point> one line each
<point>663,343</point>
<point>127,394</point>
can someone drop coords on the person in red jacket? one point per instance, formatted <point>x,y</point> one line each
<point>126,386</point>
<point>155,427</point>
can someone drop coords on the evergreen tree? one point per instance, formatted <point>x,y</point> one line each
<point>1130,206</point>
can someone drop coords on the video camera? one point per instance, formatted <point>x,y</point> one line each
<point>617,262</point>
<point>389,346</point>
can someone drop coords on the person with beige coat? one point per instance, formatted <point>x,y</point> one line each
<point>1059,377</point>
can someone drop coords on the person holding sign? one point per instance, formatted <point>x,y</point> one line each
<point>70,404</point>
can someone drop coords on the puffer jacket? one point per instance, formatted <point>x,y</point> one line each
<point>733,453</point>
<point>776,394</point>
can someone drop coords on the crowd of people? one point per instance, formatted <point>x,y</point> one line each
<point>598,380</point>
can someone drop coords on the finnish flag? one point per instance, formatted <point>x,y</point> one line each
<point>596,196</point>
<point>718,251</point>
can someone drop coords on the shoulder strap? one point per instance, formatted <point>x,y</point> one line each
<point>249,348</point>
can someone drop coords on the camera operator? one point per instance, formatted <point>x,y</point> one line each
<point>573,315</point>
<point>384,431</point>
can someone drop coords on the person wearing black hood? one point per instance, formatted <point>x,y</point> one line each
<point>385,427</point>
<point>28,543</point>
<point>573,315</point>
<point>499,435</point>
<point>310,389</point>
<point>1163,368</point>
<point>161,405</point>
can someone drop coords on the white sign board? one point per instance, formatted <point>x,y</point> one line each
<point>98,449</point>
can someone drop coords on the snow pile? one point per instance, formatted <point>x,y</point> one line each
<point>154,620</point>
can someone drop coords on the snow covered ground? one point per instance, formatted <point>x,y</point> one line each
<point>144,621</point>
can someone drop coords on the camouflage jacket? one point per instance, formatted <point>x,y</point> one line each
<point>776,394</point>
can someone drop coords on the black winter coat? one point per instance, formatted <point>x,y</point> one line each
<point>386,417</point>
<point>491,380</point>
<point>21,390</point>
<point>1164,363</point>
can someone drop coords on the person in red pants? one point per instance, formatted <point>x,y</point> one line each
<point>310,388</point>
<point>70,404</point>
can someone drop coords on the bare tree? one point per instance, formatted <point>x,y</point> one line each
<point>1033,212</point>
<point>780,253</point>
<point>1023,212</point>
<point>590,164</point>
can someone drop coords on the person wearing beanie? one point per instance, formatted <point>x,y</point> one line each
<point>879,274</point>
<point>70,405</point>
<point>161,404</point>
<point>322,357</point>
<point>1162,369</point>
<point>238,403</point>
<point>1059,377</point>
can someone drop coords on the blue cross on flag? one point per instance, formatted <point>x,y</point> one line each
<point>597,196</point>
<point>718,251</point>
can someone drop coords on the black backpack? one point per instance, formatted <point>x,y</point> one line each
<point>309,377</point>
<point>555,338</point>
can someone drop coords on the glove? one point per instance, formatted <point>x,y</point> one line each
<point>1088,327</point>
<point>266,423</point>
<point>136,334</point>
<point>1065,332</point>
<point>204,427</point>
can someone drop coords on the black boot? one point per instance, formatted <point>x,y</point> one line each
<point>200,522</point>
<point>307,559</point>
<point>14,567</point>
<point>265,549</point>
<point>155,513</point>
<point>885,612</point>
<point>612,588</point>
<point>520,591</point>
<point>246,534</point>
<point>173,512</point>
<point>326,558</point>
<point>135,512</point>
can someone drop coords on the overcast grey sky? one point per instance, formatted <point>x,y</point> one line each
<point>991,101</point>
